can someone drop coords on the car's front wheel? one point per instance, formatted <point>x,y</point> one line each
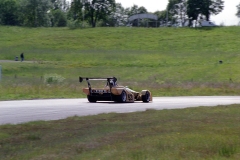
<point>146,97</point>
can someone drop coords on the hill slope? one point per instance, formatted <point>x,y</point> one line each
<point>169,61</point>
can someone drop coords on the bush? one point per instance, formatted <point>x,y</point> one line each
<point>53,78</point>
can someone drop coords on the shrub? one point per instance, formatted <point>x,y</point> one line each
<point>53,78</point>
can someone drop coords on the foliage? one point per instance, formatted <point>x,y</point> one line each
<point>62,5</point>
<point>238,10</point>
<point>118,17</point>
<point>56,13</point>
<point>212,7</point>
<point>136,10</point>
<point>162,15</point>
<point>76,10</point>
<point>35,13</point>
<point>59,18</point>
<point>172,10</point>
<point>203,9</point>
<point>179,12</point>
<point>98,10</point>
<point>9,12</point>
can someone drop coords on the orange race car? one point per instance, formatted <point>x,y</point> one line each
<point>114,92</point>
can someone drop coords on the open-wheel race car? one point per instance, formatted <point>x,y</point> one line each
<point>114,92</point>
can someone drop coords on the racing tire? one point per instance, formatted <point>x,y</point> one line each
<point>91,99</point>
<point>146,98</point>
<point>123,97</point>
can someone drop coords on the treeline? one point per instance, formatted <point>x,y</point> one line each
<point>79,13</point>
<point>60,13</point>
<point>34,13</point>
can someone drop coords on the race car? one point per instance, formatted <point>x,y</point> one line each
<point>113,92</point>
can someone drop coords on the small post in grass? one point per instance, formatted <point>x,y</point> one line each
<point>0,72</point>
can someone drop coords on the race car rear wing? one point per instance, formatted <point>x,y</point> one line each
<point>97,79</point>
<point>114,79</point>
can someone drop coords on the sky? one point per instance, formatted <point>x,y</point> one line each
<point>226,17</point>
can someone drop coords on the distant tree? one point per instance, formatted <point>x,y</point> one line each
<point>135,10</point>
<point>211,7</point>
<point>171,4</point>
<point>76,10</point>
<point>59,13</point>
<point>203,9</point>
<point>9,12</point>
<point>60,4</point>
<point>96,10</point>
<point>178,12</point>
<point>59,18</point>
<point>193,10</point>
<point>118,17</point>
<point>35,13</point>
<point>238,10</point>
<point>162,15</point>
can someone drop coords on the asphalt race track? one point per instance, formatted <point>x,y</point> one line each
<point>15,112</point>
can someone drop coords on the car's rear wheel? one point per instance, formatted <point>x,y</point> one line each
<point>146,97</point>
<point>91,99</point>
<point>123,97</point>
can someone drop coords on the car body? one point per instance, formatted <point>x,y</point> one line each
<point>114,92</point>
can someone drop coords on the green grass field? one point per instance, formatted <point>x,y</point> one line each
<point>204,133</point>
<point>167,61</point>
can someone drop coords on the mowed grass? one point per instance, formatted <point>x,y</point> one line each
<point>193,133</point>
<point>167,61</point>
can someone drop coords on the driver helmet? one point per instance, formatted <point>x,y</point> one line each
<point>111,82</point>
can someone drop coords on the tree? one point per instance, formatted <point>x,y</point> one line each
<point>238,10</point>
<point>162,17</point>
<point>63,5</point>
<point>98,10</point>
<point>118,17</point>
<point>135,10</point>
<point>59,12</point>
<point>8,12</point>
<point>193,10</point>
<point>204,8</point>
<point>211,7</point>
<point>76,10</point>
<point>35,13</point>
<point>178,11</point>
<point>59,18</point>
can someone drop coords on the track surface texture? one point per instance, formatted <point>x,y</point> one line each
<point>21,111</point>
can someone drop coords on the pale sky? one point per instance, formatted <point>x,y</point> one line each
<point>227,16</point>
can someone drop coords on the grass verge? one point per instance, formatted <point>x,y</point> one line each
<point>193,133</point>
